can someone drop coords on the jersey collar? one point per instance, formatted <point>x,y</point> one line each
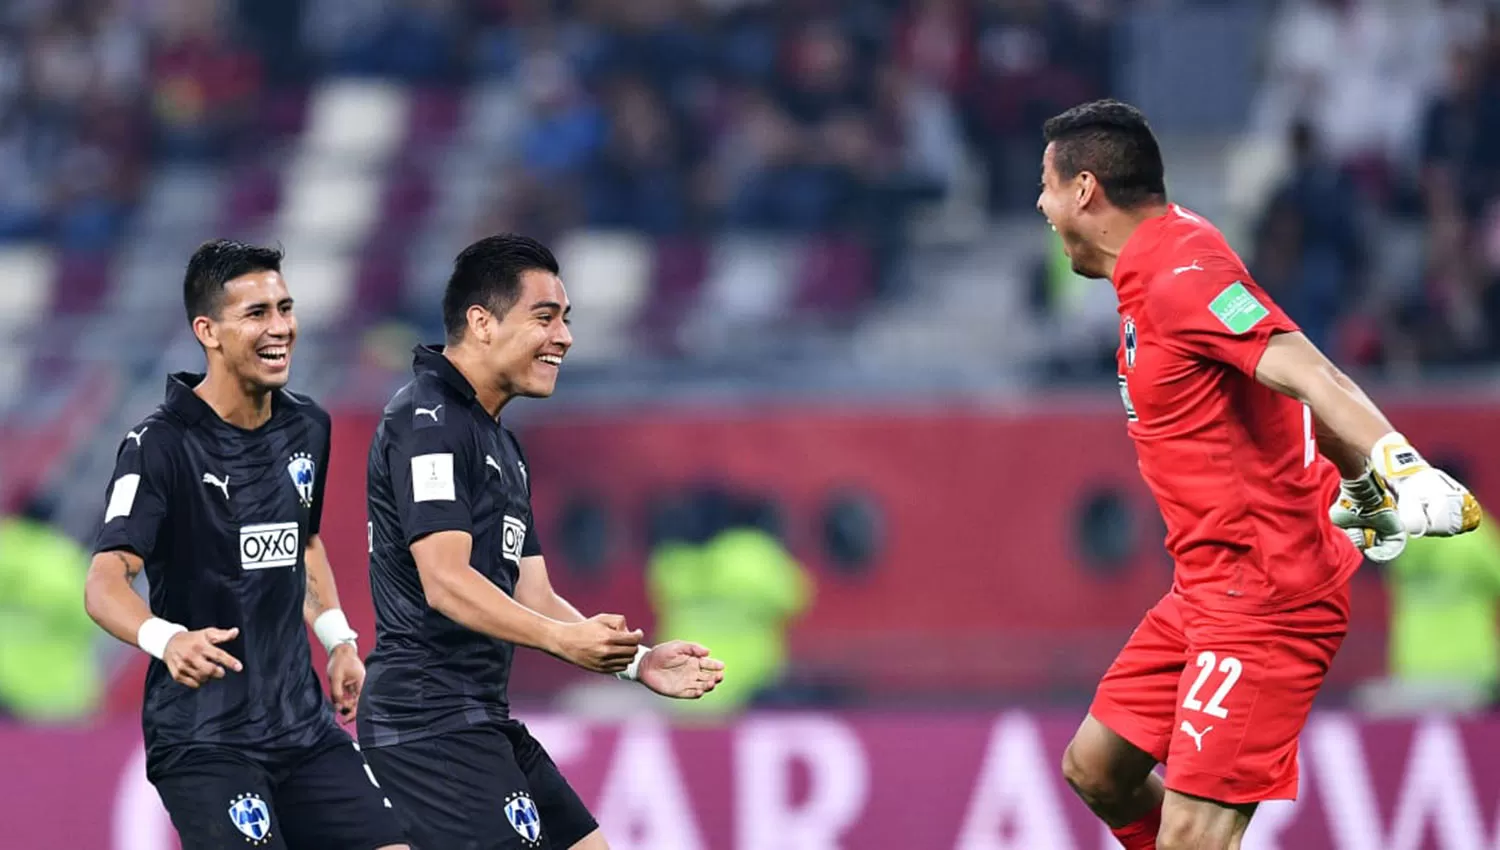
<point>192,408</point>
<point>1129,270</point>
<point>429,359</point>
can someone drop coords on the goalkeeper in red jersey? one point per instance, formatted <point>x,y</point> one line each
<point>1245,434</point>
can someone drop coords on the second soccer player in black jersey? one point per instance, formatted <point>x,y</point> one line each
<point>459,580</point>
<point>218,496</point>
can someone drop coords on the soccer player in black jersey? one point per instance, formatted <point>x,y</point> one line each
<point>458,577</point>
<point>218,495</point>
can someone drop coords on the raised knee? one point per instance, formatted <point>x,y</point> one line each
<point>1090,779</point>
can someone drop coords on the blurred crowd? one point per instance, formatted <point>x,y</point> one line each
<point>803,116</point>
<point>1383,239</point>
<point>91,90</point>
<point>659,115</point>
<point>798,116</point>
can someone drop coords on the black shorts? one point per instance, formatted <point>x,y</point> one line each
<point>487,787</point>
<point>326,800</point>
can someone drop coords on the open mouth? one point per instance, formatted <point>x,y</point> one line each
<point>550,359</point>
<point>273,355</point>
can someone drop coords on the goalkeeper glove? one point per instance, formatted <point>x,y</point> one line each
<point>1367,512</point>
<point>1428,500</point>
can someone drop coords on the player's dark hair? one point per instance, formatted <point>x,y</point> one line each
<point>488,274</point>
<point>216,263</point>
<point>1111,140</point>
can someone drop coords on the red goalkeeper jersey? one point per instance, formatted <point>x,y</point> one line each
<point>1233,464</point>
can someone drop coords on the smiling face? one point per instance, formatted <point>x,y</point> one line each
<point>252,332</point>
<point>524,348</point>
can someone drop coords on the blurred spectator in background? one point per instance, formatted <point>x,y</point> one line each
<point>414,40</point>
<point>1445,622</point>
<point>725,576</point>
<point>71,144</point>
<point>636,178</point>
<point>1460,181</point>
<point>1308,254</point>
<point>23,188</point>
<point>204,85</point>
<point>1035,59</point>
<point>48,672</point>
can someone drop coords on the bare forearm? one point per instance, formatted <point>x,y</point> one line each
<point>1349,459</point>
<point>111,601</point>
<point>469,599</point>
<point>550,604</point>
<point>322,591</point>
<point>1348,423</point>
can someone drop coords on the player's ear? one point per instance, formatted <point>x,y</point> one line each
<point>206,332</point>
<point>1085,186</point>
<point>479,323</point>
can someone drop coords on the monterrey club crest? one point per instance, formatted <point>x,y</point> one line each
<point>302,470</point>
<point>524,818</point>
<point>1127,336</point>
<point>251,816</point>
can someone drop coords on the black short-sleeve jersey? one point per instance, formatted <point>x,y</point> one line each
<point>221,517</point>
<point>439,462</point>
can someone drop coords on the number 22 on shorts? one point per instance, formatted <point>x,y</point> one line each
<point>1207,663</point>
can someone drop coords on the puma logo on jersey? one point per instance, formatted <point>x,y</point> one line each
<point>493,464</point>
<point>427,411</point>
<point>137,435</point>
<point>1192,268</point>
<point>221,483</point>
<point>1195,734</point>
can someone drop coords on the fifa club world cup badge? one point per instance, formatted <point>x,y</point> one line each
<point>1127,337</point>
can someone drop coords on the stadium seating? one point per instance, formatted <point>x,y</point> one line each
<point>373,174</point>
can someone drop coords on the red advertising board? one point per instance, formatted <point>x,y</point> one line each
<point>959,781</point>
<point>980,528</point>
<point>980,581</point>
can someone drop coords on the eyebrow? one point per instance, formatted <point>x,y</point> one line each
<point>265,305</point>
<point>551,305</point>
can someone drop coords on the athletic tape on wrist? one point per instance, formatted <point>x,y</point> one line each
<point>332,629</point>
<point>633,672</point>
<point>153,635</point>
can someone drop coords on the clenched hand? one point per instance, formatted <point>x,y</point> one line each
<point>599,644</point>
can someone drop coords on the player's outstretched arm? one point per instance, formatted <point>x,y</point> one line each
<point>675,669</point>
<point>191,657</point>
<point>1362,443</point>
<point>1349,424</point>
<point>458,591</point>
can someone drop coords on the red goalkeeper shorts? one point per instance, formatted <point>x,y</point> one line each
<point>1221,698</point>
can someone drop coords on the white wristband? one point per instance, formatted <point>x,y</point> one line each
<point>153,635</point>
<point>633,672</point>
<point>332,629</point>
